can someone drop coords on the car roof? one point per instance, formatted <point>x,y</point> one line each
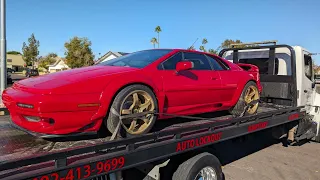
<point>181,49</point>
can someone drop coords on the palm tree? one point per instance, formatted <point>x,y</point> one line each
<point>191,48</point>
<point>154,41</point>
<point>202,48</point>
<point>158,30</point>
<point>212,51</point>
<point>204,41</point>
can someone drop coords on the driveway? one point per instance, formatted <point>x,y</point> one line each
<point>265,159</point>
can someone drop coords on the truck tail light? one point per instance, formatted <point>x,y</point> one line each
<point>293,116</point>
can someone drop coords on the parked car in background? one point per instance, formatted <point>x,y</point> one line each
<point>32,72</point>
<point>10,70</point>
<point>317,78</point>
<point>9,79</point>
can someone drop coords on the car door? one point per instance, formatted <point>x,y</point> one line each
<point>307,91</point>
<point>229,79</point>
<point>193,89</point>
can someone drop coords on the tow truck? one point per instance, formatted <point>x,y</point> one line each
<point>289,108</point>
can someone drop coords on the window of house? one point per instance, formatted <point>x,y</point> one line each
<point>262,64</point>
<point>199,60</point>
<point>9,60</point>
<point>308,66</point>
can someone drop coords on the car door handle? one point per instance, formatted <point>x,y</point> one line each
<point>214,78</point>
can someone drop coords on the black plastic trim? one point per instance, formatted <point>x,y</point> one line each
<point>41,135</point>
<point>272,57</point>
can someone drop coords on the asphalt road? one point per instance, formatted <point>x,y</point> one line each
<point>267,160</point>
<point>260,157</point>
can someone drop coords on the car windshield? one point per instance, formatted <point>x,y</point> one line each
<point>139,59</point>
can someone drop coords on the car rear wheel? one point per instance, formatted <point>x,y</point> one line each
<point>130,100</point>
<point>249,93</point>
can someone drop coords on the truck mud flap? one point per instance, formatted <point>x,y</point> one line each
<point>307,129</point>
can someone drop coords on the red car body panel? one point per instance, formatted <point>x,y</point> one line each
<point>65,97</point>
<point>254,71</point>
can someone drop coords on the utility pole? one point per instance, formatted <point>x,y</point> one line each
<point>3,49</point>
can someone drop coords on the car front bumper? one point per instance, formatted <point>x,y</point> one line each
<point>49,136</point>
<point>57,115</point>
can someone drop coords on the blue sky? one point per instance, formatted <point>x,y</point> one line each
<point>128,25</point>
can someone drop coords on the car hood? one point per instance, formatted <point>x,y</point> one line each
<point>81,80</point>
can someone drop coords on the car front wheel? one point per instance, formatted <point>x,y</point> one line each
<point>130,100</point>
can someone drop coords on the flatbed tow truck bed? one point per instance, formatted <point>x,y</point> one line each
<point>104,158</point>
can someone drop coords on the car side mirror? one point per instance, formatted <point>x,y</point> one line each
<point>315,82</point>
<point>184,65</point>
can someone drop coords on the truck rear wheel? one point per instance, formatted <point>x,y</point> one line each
<point>204,166</point>
<point>249,93</point>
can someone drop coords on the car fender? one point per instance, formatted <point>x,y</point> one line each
<point>241,84</point>
<point>118,83</point>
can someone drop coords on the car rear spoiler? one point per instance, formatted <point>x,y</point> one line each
<point>254,71</point>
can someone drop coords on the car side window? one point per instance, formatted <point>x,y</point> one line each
<point>170,64</point>
<point>308,66</point>
<point>199,60</point>
<point>215,64</point>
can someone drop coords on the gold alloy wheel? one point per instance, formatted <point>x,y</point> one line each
<point>136,102</point>
<point>252,94</point>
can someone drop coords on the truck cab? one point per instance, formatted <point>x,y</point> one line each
<point>286,75</point>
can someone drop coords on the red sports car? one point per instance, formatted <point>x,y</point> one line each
<point>172,81</point>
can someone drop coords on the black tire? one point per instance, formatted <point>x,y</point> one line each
<point>189,169</point>
<point>240,106</point>
<point>317,138</point>
<point>112,121</point>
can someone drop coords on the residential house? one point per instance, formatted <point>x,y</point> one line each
<point>110,55</point>
<point>59,65</point>
<point>15,62</point>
